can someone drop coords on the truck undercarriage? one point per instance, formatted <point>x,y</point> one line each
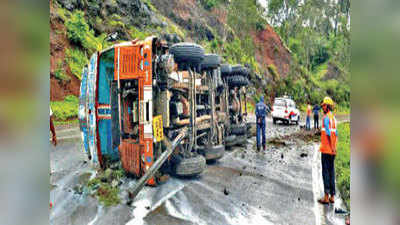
<point>138,97</point>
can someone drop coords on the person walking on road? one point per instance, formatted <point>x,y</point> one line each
<point>316,116</point>
<point>261,113</point>
<point>308,117</point>
<point>52,129</point>
<point>328,151</point>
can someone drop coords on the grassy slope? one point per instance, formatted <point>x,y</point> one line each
<point>342,162</point>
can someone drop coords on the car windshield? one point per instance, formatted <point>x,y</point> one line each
<point>280,102</point>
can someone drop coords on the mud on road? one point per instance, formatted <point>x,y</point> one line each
<point>278,186</point>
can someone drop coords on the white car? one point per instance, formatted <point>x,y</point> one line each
<point>284,109</point>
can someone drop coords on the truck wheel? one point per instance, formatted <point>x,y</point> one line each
<point>240,70</point>
<point>187,167</point>
<point>237,81</point>
<point>239,129</point>
<point>212,152</point>
<point>274,120</point>
<point>248,130</point>
<point>226,69</point>
<point>241,140</point>
<point>187,54</point>
<point>230,140</point>
<point>210,62</point>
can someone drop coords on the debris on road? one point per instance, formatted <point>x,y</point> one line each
<point>278,142</point>
<point>340,211</point>
<point>226,192</point>
<point>302,155</point>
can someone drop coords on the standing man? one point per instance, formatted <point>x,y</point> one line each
<point>261,113</point>
<point>328,151</point>
<point>316,116</point>
<point>308,118</point>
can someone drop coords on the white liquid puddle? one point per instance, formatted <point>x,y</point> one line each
<point>141,212</point>
<point>316,183</point>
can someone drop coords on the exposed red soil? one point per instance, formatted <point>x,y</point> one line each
<point>58,43</point>
<point>270,50</point>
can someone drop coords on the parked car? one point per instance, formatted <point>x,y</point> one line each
<point>284,109</point>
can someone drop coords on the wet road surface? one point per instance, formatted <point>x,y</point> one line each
<point>278,186</point>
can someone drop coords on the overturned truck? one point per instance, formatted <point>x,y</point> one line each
<point>162,108</point>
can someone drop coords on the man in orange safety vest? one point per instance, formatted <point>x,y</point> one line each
<point>328,151</point>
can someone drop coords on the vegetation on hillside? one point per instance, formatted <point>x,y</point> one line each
<point>315,32</point>
<point>318,35</point>
<point>67,109</point>
<point>342,162</point>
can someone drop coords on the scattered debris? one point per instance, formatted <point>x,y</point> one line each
<point>164,178</point>
<point>298,199</point>
<point>106,186</point>
<point>282,156</point>
<point>226,192</point>
<point>240,174</point>
<point>147,207</point>
<point>340,211</point>
<point>302,155</point>
<point>277,142</point>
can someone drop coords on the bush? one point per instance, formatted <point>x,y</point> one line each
<point>59,73</point>
<point>67,109</point>
<point>76,60</point>
<point>77,28</point>
<point>209,4</point>
<point>135,33</point>
<point>79,33</point>
<point>342,162</point>
<point>274,72</point>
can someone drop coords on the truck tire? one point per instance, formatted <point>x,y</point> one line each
<point>230,140</point>
<point>187,54</point>
<point>210,62</point>
<point>187,167</point>
<point>239,129</point>
<point>211,152</point>
<point>274,120</point>
<point>248,130</point>
<point>226,69</point>
<point>241,140</point>
<point>239,70</point>
<point>237,81</point>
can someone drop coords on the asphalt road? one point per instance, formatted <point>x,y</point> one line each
<point>278,186</point>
